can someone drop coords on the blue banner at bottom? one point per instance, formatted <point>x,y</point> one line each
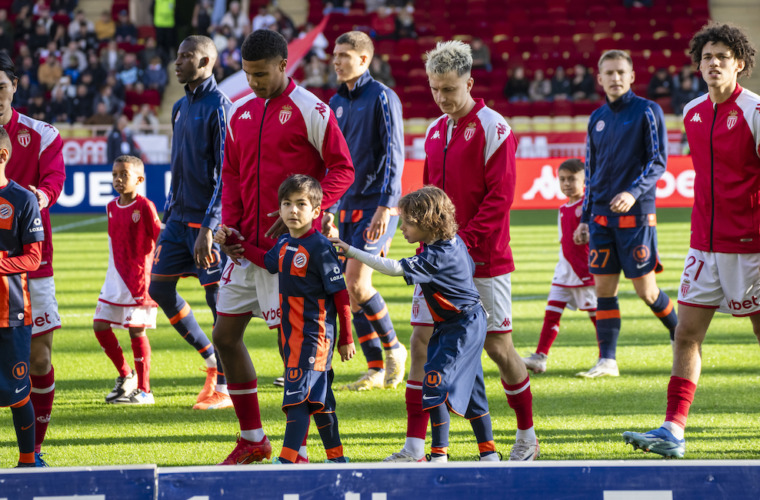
<point>127,482</point>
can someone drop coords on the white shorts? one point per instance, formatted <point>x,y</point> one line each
<point>249,291</point>
<point>126,316</point>
<point>729,282</point>
<point>495,293</point>
<point>575,297</point>
<point>44,306</point>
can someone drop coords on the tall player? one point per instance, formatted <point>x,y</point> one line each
<point>36,164</point>
<point>192,211</point>
<point>625,155</point>
<point>723,263</point>
<point>369,115</point>
<point>470,155</point>
<point>279,130</point>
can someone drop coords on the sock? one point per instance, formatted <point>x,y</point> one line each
<point>211,293</point>
<point>43,393</point>
<point>551,326</point>
<point>369,341</point>
<point>302,450</point>
<point>181,316</point>
<point>377,314</point>
<point>520,399</point>
<point>607,326</point>
<point>663,309</point>
<point>680,396</point>
<point>327,424</point>
<point>440,420</point>
<point>23,421</point>
<point>481,426</point>
<point>416,419</point>
<point>245,399</point>
<point>295,430</point>
<point>141,352</point>
<point>221,380</point>
<point>110,344</point>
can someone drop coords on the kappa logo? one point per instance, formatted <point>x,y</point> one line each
<point>24,137</point>
<point>136,216</point>
<point>246,116</point>
<point>500,129</point>
<point>436,135</point>
<point>506,323</point>
<point>285,113</point>
<point>733,118</point>
<point>696,118</point>
<point>43,419</point>
<point>321,108</point>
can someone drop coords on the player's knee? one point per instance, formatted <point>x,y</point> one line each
<point>649,295</point>
<point>497,352</point>
<point>163,292</point>
<point>39,363</point>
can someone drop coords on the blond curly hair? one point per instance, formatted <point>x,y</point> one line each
<point>430,209</point>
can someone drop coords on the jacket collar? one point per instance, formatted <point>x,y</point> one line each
<point>730,100</point>
<point>289,88</point>
<point>208,85</point>
<point>623,101</point>
<point>479,104</point>
<point>361,83</point>
<point>11,125</point>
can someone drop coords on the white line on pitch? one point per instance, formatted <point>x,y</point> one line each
<point>81,223</point>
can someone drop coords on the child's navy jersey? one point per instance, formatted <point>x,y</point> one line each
<point>20,224</point>
<point>309,274</point>
<point>444,272</point>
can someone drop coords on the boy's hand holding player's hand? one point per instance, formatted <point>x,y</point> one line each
<point>347,351</point>
<point>341,245</point>
<point>229,240</point>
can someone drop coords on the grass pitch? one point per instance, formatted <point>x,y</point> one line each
<point>575,419</point>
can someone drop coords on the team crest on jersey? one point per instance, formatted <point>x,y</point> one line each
<point>294,374</point>
<point>6,211</point>
<point>20,370</point>
<point>732,119</point>
<point>339,111</point>
<point>285,113</point>
<point>641,253</point>
<point>469,132</point>
<point>579,211</point>
<point>685,285</point>
<point>432,379</point>
<point>300,260</point>
<point>136,216</point>
<point>416,308</point>
<point>600,125</point>
<point>24,137</point>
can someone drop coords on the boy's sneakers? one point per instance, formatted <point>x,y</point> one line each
<point>660,441</point>
<point>38,461</point>
<point>536,362</point>
<point>279,382</point>
<point>136,397</point>
<point>404,456</point>
<point>395,366</point>
<point>246,452</point>
<point>524,450</point>
<point>491,457</point>
<point>24,465</point>
<point>217,401</point>
<point>605,367</point>
<point>441,459</point>
<point>124,386</point>
<point>209,386</point>
<point>373,379</point>
<point>341,460</point>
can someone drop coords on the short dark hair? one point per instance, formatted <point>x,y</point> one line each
<point>573,165</point>
<point>430,209</point>
<point>7,66</point>
<point>358,41</point>
<point>132,160</point>
<point>300,183</point>
<point>264,44</point>
<point>5,141</point>
<point>203,44</point>
<point>730,35</point>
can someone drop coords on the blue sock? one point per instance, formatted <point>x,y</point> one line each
<point>211,292</point>
<point>369,341</point>
<point>327,425</point>
<point>481,426</point>
<point>180,316</point>
<point>607,326</point>
<point>377,314</point>
<point>23,421</point>
<point>663,309</point>
<point>295,429</point>
<point>439,420</point>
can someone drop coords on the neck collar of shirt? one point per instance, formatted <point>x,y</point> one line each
<point>201,90</point>
<point>285,93</point>
<point>11,125</point>
<point>730,100</point>
<point>479,104</point>
<point>622,101</point>
<point>306,234</point>
<point>359,86</point>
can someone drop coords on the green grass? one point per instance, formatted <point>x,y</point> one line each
<point>575,419</point>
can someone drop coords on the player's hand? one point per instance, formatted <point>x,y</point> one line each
<point>347,351</point>
<point>233,251</point>
<point>341,245</point>
<point>580,236</point>
<point>225,232</point>
<point>379,223</point>
<point>202,250</point>
<point>278,228</point>
<point>328,225</point>
<point>622,202</point>
<point>42,198</point>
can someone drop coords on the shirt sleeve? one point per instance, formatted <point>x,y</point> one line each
<point>232,206</point>
<point>655,142</point>
<point>52,169</point>
<point>588,168</point>
<point>391,127</point>
<point>271,258</point>
<point>329,269</point>
<point>153,227</point>
<point>219,132</point>
<point>418,269</point>
<point>337,159</point>
<point>29,222</point>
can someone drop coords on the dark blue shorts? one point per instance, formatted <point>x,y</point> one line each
<point>632,250</point>
<point>174,254</point>
<point>15,349</point>
<point>355,232</point>
<point>312,386</point>
<point>453,372</point>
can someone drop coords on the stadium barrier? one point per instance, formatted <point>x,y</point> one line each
<point>581,480</point>
<point>88,188</point>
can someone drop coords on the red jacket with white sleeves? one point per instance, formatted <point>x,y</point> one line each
<point>269,140</point>
<point>477,170</point>
<point>725,149</point>
<point>37,160</point>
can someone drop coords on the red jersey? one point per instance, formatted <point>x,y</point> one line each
<point>725,148</point>
<point>269,140</point>
<point>476,168</point>
<point>37,160</point>
<point>572,268</point>
<point>132,233</point>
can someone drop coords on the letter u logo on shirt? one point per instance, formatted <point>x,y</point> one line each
<point>432,379</point>
<point>294,374</point>
<point>20,370</point>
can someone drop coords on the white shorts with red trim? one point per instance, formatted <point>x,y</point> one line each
<point>728,282</point>
<point>44,306</point>
<point>126,316</point>
<point>249,290</point>
<point>575,297</point>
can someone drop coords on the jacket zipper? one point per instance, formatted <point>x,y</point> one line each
<point>712,177</point>
<point>258,174</point>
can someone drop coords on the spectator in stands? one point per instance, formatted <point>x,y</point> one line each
<point>561,88</point>
<point>6,25</point>
<point>85,78</point>
<point>43,16</point>
<point>163,21</point>
<point>110,56</point>
<point>49,73</point>
<point>24,25</point>
<point>79,18</point>
<point>371,6</point>
<point>117,87</point>
<point>405,27</point>
<point>230,53</point>
<point>24,91</point>
<point>151,50</point>
<point>104,28</point>
<point>61,37</point>
<point>63,6</point>
<point>126,32</point>
<point>320,41</point>
<point>130,73</point>
<point>86,38</point>
<point>683,94</point>
<point>220,36</point>
<point>100,118</point>
<point>72,51</point>
<point>517,86</point>
<point>37,108</point>
<point>50,50</point>
<point>71,70</point>
<point>59,109</point>
<point>315,73</point>
<point>201,20</point>
<point>337,7</point>
<point>687,73</point>
<point>155,77</point>
<point>540,88</point>
<point>6,39</point>
<point>81,105</point>
<point>582,86</point>
<point>230,67</point>
<point>285,25</point>
<point>661,85</point>
<point>145,121</point>
<point>105,95</point>
<point>481,54</point>
<point>121,141</point>
<point>237,21</point>
<point>27,67</point>
<point>39,38</point>
<point>65,85</point>
<point>380,70</point>
<point>383,24</point>
<point>95,69</point>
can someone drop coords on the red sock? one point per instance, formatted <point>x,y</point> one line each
<point>680,396</point>
<point>43,392</point>
<point>551,326</point>
<point>110,344</point>
<point>245,399</point>
<point>141,352</point>
<point>416,419</point>
<point>592,317</point>
<point>520,399</point>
